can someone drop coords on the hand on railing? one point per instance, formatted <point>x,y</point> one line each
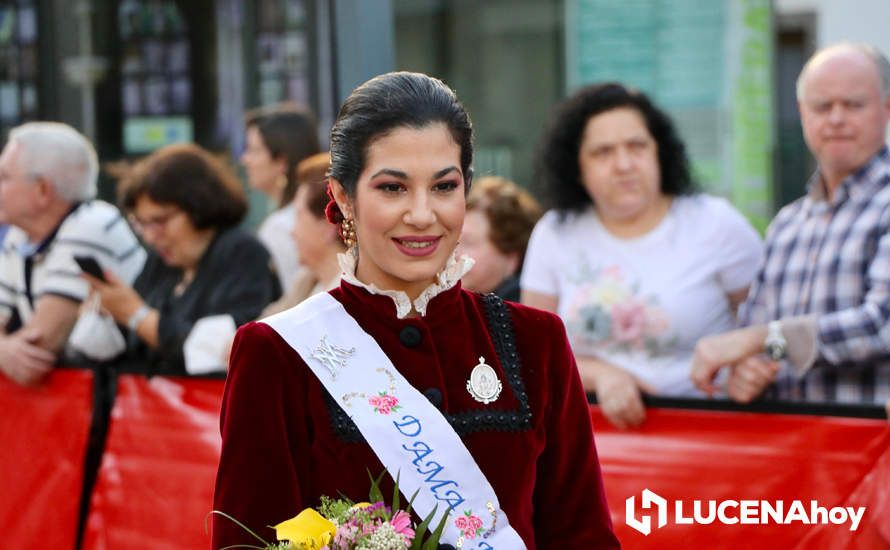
<point>618,392</point>
<point>22,360</point>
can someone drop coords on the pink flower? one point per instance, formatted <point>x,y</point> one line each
<point>468,524</point>
<point>628,321</point>
<point>384,404</point>
<point>345,537</point>
<point>401,523</point>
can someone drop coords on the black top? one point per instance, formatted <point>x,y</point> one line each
<point>508,289</point>
<point>235,277</point>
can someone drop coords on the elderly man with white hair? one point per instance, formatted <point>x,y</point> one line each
<point>818,313</point>
<point>48,175</point>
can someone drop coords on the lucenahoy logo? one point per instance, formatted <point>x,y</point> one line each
<point>731,512</point>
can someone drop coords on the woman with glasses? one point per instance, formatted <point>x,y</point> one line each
<point>186,206</point>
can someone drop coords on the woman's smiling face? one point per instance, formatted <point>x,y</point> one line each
<point>408,207</point>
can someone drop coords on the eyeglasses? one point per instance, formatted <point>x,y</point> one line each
<point>153,223</point>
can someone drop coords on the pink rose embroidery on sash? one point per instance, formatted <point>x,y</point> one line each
<point>469,525</point>
<point>384,403</point>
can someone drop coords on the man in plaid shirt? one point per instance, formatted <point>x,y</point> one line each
<point>818,314</point>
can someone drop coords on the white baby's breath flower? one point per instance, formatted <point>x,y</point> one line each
<point>384,538</point>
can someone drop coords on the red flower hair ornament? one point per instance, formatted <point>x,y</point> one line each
<point>332,211</point>
<point>345,226</point>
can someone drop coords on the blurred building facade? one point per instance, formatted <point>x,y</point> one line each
<point>136,74</point>
<point>802,27</point>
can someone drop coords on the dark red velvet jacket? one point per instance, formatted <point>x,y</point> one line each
<point>284,442</point>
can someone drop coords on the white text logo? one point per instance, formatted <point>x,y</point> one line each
<point>743,512</point>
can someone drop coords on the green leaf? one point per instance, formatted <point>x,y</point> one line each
<point>334,509</point>
<point>395,496</point>
<point>375,494</point>
<point>420,530</point>
<point>433,542</point>
<point>239,524</point>
<point>411,509</point>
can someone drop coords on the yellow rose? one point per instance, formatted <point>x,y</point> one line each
<point>308,528</point>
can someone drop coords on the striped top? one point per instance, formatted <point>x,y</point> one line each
<point>29,271</point>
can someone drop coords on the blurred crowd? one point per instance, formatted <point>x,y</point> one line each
<point>663,289</point>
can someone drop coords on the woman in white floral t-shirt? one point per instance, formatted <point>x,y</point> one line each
<point>636,262</point>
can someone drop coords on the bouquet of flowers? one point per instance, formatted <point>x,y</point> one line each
<point>340,524</point>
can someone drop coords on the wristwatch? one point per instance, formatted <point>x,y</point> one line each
<point>775,346</point>
<point>138,316</point>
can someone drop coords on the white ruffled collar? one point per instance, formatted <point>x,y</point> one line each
<point>455,268</point>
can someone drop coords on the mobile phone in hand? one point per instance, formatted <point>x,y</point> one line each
<point>90,266</point>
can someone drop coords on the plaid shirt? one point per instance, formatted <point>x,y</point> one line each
<point>832,259</point>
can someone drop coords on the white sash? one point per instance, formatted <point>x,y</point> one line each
<point>410,437</point>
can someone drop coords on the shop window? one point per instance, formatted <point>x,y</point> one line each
<point>503,58</point>
<point>283,51</point>
<point>19,78</point>
<point>156,86</point>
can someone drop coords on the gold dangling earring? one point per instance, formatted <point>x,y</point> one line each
<point>347,232</point>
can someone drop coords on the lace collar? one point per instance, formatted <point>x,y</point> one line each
<point>455,268</point>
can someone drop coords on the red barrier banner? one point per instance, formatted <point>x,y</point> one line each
<point>43,437</point>
<point>155,483</point>
<point>714,479</point>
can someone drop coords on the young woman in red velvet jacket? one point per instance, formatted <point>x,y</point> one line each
<point>401,154</point>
